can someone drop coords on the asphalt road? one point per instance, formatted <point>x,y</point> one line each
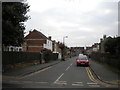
<point>62,75</point>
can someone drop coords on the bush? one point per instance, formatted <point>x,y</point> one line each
<point>106,58</point>
<point>48,55</point>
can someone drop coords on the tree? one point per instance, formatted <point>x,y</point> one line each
<point>118,46</point>
<point>13,18</point>
<point>112,45</point>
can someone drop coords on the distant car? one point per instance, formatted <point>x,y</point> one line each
<point>82,60</point>
<point>80,55</point>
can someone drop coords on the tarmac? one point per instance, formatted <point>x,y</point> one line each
<point>102,73</point>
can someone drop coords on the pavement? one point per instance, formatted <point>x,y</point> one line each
<point>100,71</point>
<point>104,74</point>
<point>30,69</point>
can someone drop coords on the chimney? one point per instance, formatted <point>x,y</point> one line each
<point>30,31</point>
<point>50,37</point>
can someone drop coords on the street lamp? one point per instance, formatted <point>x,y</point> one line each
<point>64,49</point>
<point>64,39</point>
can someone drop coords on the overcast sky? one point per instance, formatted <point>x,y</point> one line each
<point>83,21</point>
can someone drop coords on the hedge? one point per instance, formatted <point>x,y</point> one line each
<point>106,58</point>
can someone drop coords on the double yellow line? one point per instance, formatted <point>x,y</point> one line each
<point>91,76</point>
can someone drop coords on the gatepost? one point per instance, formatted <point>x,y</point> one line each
<point>42,58</point>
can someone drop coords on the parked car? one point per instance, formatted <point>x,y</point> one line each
<point>82,60</point>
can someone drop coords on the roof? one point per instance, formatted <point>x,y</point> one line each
<point>35,35</point>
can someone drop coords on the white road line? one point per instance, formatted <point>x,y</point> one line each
<point>78,84</point>
<point>92,83</point>
<point>61,82</point>
<point>59,78</point>
<point>57,81</point>
<point>68,67</point>
<point>71,64</point>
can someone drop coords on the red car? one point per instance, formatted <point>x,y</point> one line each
<point>83,60</point>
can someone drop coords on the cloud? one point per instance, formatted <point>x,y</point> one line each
<point>82,25</point>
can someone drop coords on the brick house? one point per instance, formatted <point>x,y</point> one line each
<point>35,41</point>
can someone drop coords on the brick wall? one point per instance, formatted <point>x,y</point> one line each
<point>34,49</point>
<point>35,41</point>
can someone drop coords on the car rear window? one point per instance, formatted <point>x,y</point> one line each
<point>83,58</point>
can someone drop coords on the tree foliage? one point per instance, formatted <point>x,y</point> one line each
<point>112,45</point>
<point>13,18</point>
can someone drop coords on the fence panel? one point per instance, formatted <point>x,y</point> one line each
<point>19,57</point>
<point>12,58</point>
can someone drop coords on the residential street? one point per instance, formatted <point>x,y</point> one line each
<point>66,44</point>
<point>64,74</point>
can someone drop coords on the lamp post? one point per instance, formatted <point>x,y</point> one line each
<point>64,39</point>
<point>64,48</point>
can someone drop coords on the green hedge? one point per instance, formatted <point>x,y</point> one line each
<point>106,58</point>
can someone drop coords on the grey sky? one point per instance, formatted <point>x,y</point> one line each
<point>83,21</point>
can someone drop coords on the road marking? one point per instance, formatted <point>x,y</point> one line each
<point>78,84</point>
<point>68,67</point>
<point>90,75</point>
<point>94,85</point>
<point>35,73</point>
<point>61,82</point>
<point>71,64</point>
<point>91,83</point>
<point>59,78</point>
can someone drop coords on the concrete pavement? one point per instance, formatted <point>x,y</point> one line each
<point>103,73</point>
<point>30,69</point>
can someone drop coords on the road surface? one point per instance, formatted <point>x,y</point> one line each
<point>62,75</point>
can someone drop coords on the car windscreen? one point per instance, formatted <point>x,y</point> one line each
<point>83,58</point>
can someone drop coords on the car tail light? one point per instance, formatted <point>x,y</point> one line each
<point>87,61</point>
<point>77,60</point>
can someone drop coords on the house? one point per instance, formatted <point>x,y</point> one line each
<point>12,48</point>
<point>35,41</point>
<point>95,47</point>
<point>102,42</point>
<point>56,49</point>
<point>77,50</point>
